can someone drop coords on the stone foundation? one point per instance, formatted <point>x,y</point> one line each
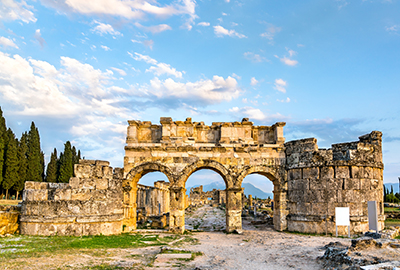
<point>90,204</point>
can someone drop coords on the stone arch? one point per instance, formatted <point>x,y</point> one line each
<point>140,170</point>
<point>279,179</point>
<point>130,189</point>
<point>205,164</point>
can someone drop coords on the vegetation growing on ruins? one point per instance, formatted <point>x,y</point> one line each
<point>22,160</point>
<point>390,197</point>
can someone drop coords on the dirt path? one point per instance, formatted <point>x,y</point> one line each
<point>258,248</point>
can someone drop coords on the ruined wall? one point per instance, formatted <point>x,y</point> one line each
<point>9,219</point>
<point>90,204</point>
<point>347,175</point>
<point>150,198</point>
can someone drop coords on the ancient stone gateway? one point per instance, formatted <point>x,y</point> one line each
<point>308,182</point>
<point>178,149</point>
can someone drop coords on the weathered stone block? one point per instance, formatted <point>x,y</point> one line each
<point>334,183</point>
<point>357,172</point>
<point>356,209</point>
<point>314,196</point>
<point>352,183</point>
<point>331,195</point>
<point>365,184</point>
<point>74,182</point>
<point>342,172</point>
<point>40,194</point>
<point>296,195</point>
<point>327,172</point>
<point>80,194</point>
<point>62,194</point>
<point>28,195</point>
<point>312,172</point>
<point>115,183</point>
<point>319,208</point>
<point>102,163</point>
<point>83,171</point>
<point>368,172</point>
<point>318,183</point>
<point>295,174</point>
<point>300,184</point>
<point>30,185</point>
<point>377,173</point>
<point>101,183</point>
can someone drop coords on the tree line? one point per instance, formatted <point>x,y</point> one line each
<point>390,196</point>
<point>22,160</point>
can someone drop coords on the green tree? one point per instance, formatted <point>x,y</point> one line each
<point>11,163</point>
<point>51,171</point>
<point>23,164</point>
<point>3,127</point>
<point>66,165</point>
<point>35,156</point>
<point>1,158</point>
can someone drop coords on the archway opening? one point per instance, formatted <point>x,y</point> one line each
<point>152,201</point>
<point>258,202</point>
<point>205,210</point>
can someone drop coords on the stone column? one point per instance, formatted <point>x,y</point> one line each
<point>280,209</point>
<point>130,205</point>
<point>234,209</point>
<point>177,209</point>
<point>250,201</point>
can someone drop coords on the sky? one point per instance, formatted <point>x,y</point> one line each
<point>80,69</point>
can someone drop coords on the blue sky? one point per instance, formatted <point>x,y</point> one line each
<point>80,69</point>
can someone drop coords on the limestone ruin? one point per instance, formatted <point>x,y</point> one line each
<point>308,182</point>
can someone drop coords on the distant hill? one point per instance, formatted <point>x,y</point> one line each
<point>248,189</point>
<point>395,187</point>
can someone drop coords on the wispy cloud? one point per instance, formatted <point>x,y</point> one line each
<point>203,24</point>
<point>253,81</point>
<point>287,60</point>
<point>155,29</point>
<point>271,32</point>
<point>11,10</point>
<point>280,85</point>
<point>393,28</point>
<point>104,47</point>
<point>256,58</point>
<point>5,42</point>
<point>103,28</point>
<point>39,38</point>
<point>157,68</point>
<point>220,32</point>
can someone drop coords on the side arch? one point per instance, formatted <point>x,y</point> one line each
<point>137,172</point>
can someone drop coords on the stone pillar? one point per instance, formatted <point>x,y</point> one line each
<point>280,210</point>
<point>130,205</point>
<point>250,200</point>
<point>278,132</point>
<point>177,209</point>
<point>234,209</point>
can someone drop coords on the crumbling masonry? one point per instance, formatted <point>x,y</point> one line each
<point>308,182</point>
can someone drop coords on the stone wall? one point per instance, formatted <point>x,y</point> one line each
<point>90,204</point>
<point>9,219</point>
<point>347,175</point>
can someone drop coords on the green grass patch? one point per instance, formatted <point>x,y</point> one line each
<point>391,209</point>
<point>27,246</point>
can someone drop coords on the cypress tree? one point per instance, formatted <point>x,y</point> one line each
<point>11,164</point>
<point>66,164</point>
<point>23,164</point>
<point>391,189</point>
<point>3,127</point>
<point>74,158</point>
<point>51,171</point>
<point>1,158</point>
<point>35,157</point>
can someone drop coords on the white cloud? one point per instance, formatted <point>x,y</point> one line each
<point>38,37</point>
<point>256,58</point>
<point>288,61</point>
<point>5,42</point>
<point>280,85</point>
<point>287,100</point>
<point>270,32</point>
<point>157,68</point>
<point>103,28</point>
<point>220,32</point>
<point>253,81</point>
<point>204,91</point>
<point>204,24</point>
<point>162,68</point>
<point>393,28</point>
<point>120,71</point>
<point>155,29</point>
<point>11,10</point>
<point>105,48</point>
<point>250,112</point>
<point>148,43</point>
